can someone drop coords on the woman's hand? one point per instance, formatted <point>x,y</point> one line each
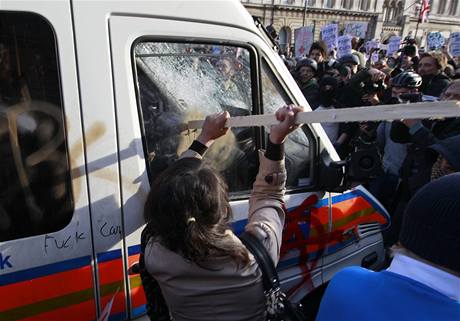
<point>213,128</point>
<point>286,116</point>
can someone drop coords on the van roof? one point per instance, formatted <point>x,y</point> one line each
<point>222,12</point>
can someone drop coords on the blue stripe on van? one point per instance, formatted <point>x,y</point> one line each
<point>108,256</point>
<point>135,249</point>
<point>140,310</point>
<point>44,270</point>
<point>118,316</point>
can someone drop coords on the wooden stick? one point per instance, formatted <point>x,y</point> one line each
<point>443,109</point>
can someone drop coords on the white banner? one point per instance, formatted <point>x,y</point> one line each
<point>393,45</point>
<point>356,29</point>
<point>343,46</point>
<point>329,34</point>
<point>303,39</point>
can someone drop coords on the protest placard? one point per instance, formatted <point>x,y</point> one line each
<point>371,44</point>
<point>455,44</point>
<point>375,57</point>
<point>343,46</point>
<point>435,40</point>
<point>393,45</point>
<point>329,35</point>
<point>356,29</point>
<point>303,39</point>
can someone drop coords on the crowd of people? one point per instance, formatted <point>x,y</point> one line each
<point>415,179</point>
<point>409,151</point>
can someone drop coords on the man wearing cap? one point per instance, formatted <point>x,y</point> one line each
<point>305,76</point>
<point>423,280</point>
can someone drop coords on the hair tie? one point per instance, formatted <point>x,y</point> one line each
<point>190,220</point>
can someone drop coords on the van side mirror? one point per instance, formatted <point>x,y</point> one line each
<point>331,174</point>
<point>363,163</point>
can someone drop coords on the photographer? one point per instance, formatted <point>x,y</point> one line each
<point>418,136</point>
<point>408,60</point>
<point>363,89</point>
<point>384,186</point>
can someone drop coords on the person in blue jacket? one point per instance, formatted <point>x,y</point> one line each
<point>423,280</point>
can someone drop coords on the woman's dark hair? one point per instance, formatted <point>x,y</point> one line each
<point>188,212</point>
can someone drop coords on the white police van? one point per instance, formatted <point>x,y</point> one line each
<point>93,100</point>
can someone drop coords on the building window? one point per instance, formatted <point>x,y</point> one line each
<point>453,7</point>
<point>35,184</point>
<point>442,6</point>
<point>365,4</point>
<point>347,4</point>
<point>329,3</point>
<point>311,3</point>
<point>284,38</point>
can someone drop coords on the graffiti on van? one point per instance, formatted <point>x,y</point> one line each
<point>5,261</point>
<point>35,180</point>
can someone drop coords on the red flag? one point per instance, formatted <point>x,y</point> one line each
<point>424,11</point>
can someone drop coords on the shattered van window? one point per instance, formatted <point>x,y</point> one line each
<point>297,145</point>
<point>179,82</point>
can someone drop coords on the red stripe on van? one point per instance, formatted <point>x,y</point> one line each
<point>43,288</point>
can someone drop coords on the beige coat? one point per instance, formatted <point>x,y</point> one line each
<point>227,292</point>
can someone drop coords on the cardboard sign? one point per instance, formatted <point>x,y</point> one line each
<point>343,46</point>
<point>303,40</point>
<point>455,44</point>
<point>356,29</point>
<point>329,34</point>
<point>435,40</point>
<point>393,45</point>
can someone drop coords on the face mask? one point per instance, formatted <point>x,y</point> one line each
<point>327,97</point>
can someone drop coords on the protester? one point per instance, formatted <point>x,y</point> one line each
<point>203,269</point>
<point>423,279</point>
<point>318,52</point>
<point>393,153</point>
<point>448,161</point>
<point>305,76</point>
<point>431,68</point>
<point>327,97</point>
<point>417,166</point>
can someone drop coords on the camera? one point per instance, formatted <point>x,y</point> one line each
<point>364,162</point>
<point>411,98</point>
<point>369,87</point>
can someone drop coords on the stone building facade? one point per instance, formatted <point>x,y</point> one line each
<point>384,17</point>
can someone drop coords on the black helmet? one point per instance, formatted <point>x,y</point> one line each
<point>308,62</point>
<point>349,59</point>
<point>406,79</point>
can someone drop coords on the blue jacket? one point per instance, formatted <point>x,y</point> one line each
<point>358,294</point>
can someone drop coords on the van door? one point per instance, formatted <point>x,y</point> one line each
<point>169,71</point>
<point>46,256</point>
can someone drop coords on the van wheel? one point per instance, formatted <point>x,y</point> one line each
<point>312,301</point>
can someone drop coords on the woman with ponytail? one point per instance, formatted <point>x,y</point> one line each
<point>203,269</point>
